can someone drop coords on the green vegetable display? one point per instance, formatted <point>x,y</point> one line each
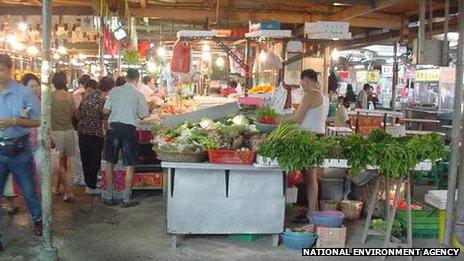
<point>266,112</point>
<point>381,225</point>
<point>295,149</point>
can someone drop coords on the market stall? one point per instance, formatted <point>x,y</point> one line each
<point>239,199</point>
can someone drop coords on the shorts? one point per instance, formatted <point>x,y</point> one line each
<point>65,144</point>
<point>121,137</point>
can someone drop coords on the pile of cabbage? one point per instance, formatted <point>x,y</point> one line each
<point>232,132</point>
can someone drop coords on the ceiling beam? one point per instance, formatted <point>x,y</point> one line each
<point>360,10</point>
<point>37,10</point>
<point>285,17</point>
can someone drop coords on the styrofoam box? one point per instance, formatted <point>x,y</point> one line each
<point>291,195</point>
<point>270,34</point>
<point>327,26</point>
<point>437,198</point>
<point>195,33</point>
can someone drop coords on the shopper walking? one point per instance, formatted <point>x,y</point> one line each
<point>146,87</point>
<point>120,81</point>
<point>125,106</point>
<point>92,123</point>
<point>312,116</point>
<point>350,93</point>
<point>62,109</point>
<point>85,86</point>
<point>19,111</point>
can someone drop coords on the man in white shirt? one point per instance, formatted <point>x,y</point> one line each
<point>125,106</point>
<point>341,118</point>
<point>147,87</point>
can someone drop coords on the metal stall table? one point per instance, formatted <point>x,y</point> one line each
<point>204,198</point>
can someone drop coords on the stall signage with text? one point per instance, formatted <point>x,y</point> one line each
<point>373,76</point>
<point>428,75</point>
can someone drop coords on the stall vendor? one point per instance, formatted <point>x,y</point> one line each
<point>341,118</point>
<point>312,116</point>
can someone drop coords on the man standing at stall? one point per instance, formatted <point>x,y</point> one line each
<point>19,111</point>
<point>311,115</point>
<point>125,106</point>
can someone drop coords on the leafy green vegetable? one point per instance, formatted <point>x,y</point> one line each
<point>266,112</point>
<point>381,225</point>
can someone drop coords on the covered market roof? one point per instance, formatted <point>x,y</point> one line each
<point>371,21</point>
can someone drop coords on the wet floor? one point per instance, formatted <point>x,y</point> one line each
<point>88,230</point>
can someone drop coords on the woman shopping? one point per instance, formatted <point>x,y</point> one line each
<point>62,108</point>
<point>91,128</point>
<point>312,116</point>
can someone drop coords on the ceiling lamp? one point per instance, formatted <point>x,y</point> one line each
<point>262,56</point>
<point>22,26</point>
<point>32,50</point>
<point>335,54</point>
<point>62,50</point>
<point>220,62</point>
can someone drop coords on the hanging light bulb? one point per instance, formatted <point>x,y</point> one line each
<point>19,46</point>
<point>22,26</point>
<point>335,54</point>
<point>62,50</point>
<point>151,66</point>
<point>262,56</point>
<point>220,62</point>
<point>32,50</point>
<point>161,51</point>
<point>11,39</point>
<point>206,56</point>
<point>206,47</point>
<point>56,56</point>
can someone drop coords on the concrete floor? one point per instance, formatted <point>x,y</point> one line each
<point>88,230</point>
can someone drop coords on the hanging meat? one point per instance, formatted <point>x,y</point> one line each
<point>180,58</point>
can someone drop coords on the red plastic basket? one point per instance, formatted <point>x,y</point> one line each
<point>231,157</point>
<point>250,101</point>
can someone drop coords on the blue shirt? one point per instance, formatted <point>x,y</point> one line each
<point>17,101</point>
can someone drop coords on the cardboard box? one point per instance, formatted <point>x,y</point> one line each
<point>331,236</point>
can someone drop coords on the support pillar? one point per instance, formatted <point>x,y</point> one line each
<point>455,135</point>
<point>47,252</point>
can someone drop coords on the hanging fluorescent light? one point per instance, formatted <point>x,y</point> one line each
<point>262,56</point>
<point>220,62</point>
<point>206,56</point>
<point>206,47</point>
<point>62,50</point>
<point>161,52</point>
<point>32,50</point>
<point>335,54</point>
<point>151,66</point>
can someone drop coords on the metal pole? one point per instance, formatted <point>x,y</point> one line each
<point>421,33</point>
<point>100,49</point>
<point>455,131</point>
<point>48,252</point>
<point>430,20</point>
<point>445,59</point>
<point>395,76</point>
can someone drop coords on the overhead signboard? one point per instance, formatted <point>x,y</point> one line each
<point>427,75</point>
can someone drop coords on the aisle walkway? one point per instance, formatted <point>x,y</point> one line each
<point>88,230</point>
